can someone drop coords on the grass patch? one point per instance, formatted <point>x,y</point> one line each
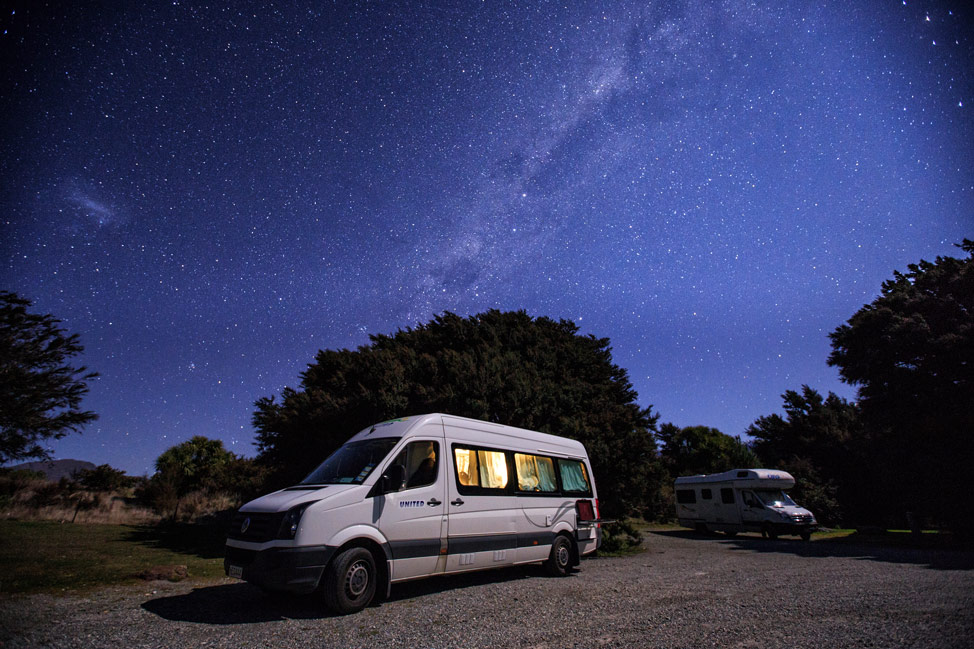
<point>927,539</point>
<point>51,557</point>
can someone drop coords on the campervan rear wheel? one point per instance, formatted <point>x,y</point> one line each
<point>559,562</point>
<point>349,582</point>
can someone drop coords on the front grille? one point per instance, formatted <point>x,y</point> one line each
<point>240,556</point>
<point>802,518</point>
<point>262,527</point>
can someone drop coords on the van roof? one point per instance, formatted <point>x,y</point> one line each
<point>767,477</point>
<point>537,441</point>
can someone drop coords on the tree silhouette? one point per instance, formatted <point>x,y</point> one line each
<point>505,367</point>
<point>911,354</point>
<point>41,393</point>
<point>695,450</point>
<point>820,442</point>
<point>186,467</point>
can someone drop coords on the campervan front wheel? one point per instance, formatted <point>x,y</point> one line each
<point>769,532</point>
<point>349,582</point>
<point>559,562</point>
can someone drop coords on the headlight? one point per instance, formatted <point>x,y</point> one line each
<point>289,526</point>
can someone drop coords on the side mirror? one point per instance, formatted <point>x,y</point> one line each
<point>394,479</point>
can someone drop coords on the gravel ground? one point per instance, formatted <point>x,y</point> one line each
<point>684,591</point>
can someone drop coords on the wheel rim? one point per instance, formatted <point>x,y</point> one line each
<point>357,578</point>
<point>562,556</point>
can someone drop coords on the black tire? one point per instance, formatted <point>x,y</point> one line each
<point>805,534</point>
<point>350,581</point>
<point>700,528</point>
<point>769,532</point>
<point>731,534</point>
<point>559,563</point>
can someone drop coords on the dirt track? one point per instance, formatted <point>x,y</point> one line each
<point>684,591</point>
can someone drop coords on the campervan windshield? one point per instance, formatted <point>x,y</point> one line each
<point>774,498</point>
<point>352,463</point>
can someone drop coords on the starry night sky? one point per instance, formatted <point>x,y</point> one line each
<point>209,195</point>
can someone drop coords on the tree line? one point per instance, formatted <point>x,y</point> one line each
<point>902,446</point>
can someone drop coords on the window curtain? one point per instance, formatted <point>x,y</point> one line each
<point>535,473</point>
<point>493,469</point>
<point>573,476</point>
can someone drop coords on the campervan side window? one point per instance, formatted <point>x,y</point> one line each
<point>727,496</point>
<point>480,470</point>
<point>535,473</point>
<point>706,494</point>
<point>421,461</point>
<point>574,478</point>
<point>686,496</point>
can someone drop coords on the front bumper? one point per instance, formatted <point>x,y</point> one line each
<point>793,528</point>
<point>294,570</point>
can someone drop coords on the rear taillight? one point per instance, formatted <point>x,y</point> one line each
<point>585,510</point>
<point>597,515</point>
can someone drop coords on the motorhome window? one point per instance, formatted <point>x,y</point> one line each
<point>706,494</point>
<point>480,469</point>
<point>574,477</point>
<point>727,496</point>
<point>421,461</point>
<point>352,463</point>
<point>686,496</point>
<point>774,498</point>
<point>535,473</point>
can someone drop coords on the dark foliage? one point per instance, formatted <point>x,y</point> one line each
<point>911,354</point>
<point>41,392</point>
<point>820,442</point>
<point>200,465</point>
<point>815,427</point>
<point>104,478</point>
<point>696,450</point>
<point>504,367</point>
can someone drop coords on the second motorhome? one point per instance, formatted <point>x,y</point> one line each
<point>415,497</point>
<point>742,500</point>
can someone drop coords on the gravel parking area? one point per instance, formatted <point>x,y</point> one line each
<point>684,591</point>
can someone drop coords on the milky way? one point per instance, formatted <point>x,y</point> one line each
<point>208,195</point>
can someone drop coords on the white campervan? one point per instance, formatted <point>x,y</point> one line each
<point>742,500</point>
<point>419,496</point>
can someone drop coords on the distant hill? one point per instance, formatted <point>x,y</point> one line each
<point>55,469</point>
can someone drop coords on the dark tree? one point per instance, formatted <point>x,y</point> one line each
<point>820,442</point>
<point>698,450</point>
<point>185,468</point>
<point>40,393</point>
<point>104,478</point>
<point>911,354</point>
<point>504,367</point>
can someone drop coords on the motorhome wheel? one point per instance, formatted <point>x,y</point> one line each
<point>349,583</point>
<point>560,560</point>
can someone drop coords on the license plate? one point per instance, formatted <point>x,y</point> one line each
<point>236,572</point>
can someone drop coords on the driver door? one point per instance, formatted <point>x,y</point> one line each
<point>413,516</point>
<point>751,508</point>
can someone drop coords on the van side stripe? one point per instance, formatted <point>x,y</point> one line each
<point>467,544</point>
<point>532,539</point>
<point>414,548</point>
